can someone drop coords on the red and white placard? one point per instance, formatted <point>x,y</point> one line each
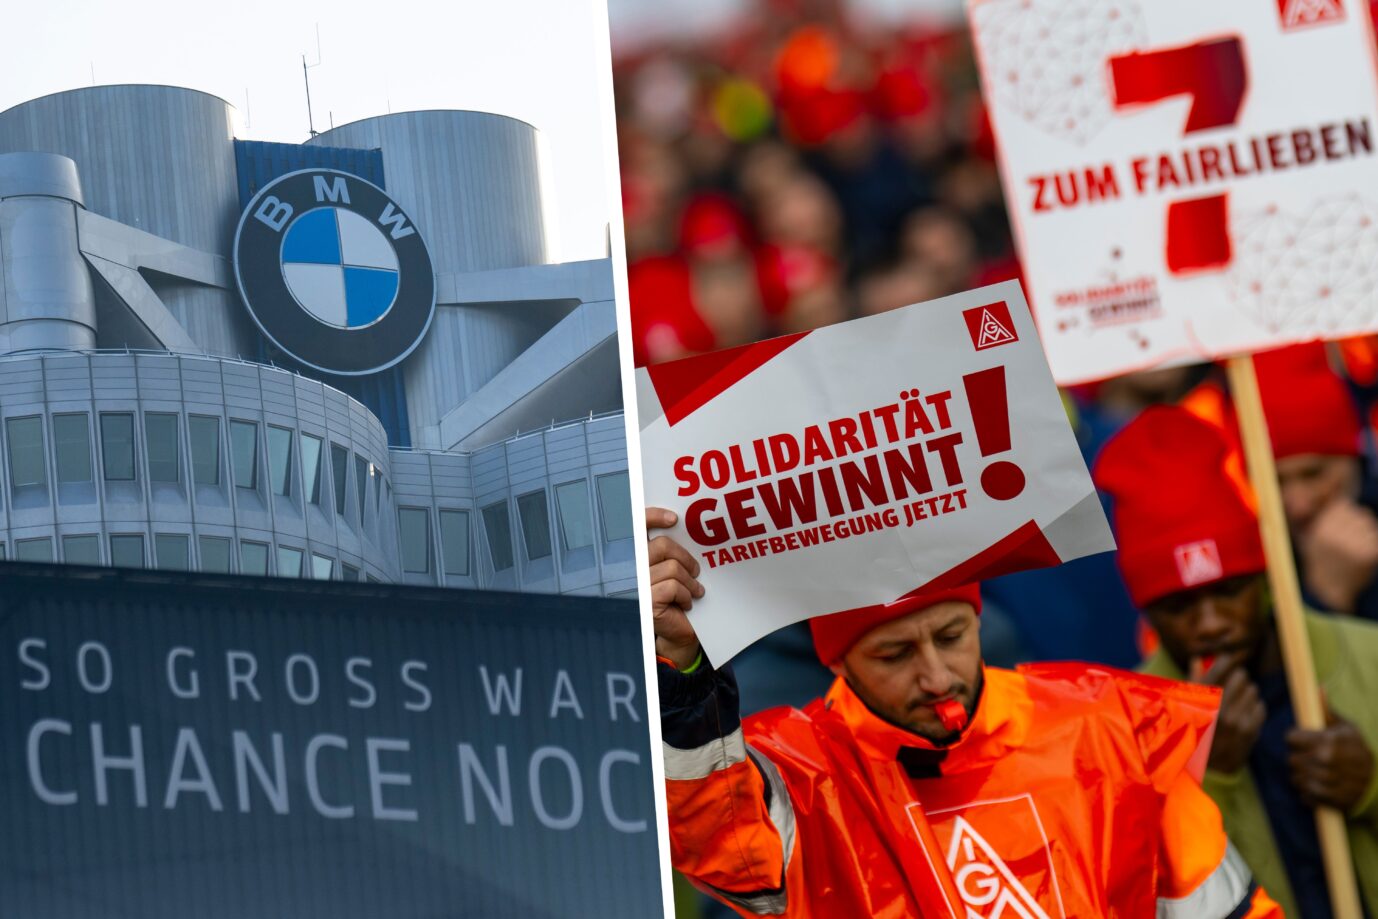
<point>1188,179</point>
<point>847,467</point>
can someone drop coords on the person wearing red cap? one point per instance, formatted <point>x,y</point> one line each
<point>1191,556</point>
<point>1315,430</point>
<point>926,784</point>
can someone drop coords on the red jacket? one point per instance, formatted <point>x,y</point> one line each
<point>1069,796</point>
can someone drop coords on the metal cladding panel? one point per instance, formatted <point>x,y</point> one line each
<point>472,807</point>
<point>470,180</point>
<point>159,158</point>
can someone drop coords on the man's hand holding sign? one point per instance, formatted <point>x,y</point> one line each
<point>848,467</point>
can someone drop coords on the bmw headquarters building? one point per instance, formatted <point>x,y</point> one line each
<point>276,400</point>
<point>348,359</point>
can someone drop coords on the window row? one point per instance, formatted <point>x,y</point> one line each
<point>75,461</point>
<point>172,552</point>
<point>572,507</point>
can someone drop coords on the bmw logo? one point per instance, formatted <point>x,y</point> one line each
<point>334,272</point>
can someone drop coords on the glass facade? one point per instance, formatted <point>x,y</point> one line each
<point>454,541</point>
<point>33,550</point>
<point>160,446</point>
<point>289,562</point>
<point>244,446</point>
<point>28,462</point>
<point>280,460</point>
<point>205,449</point>
<point>361,483</point>
<point>615,501</point>
<point>535,525</point>
<point>311,467</point>
<point>498,526</point>
<point>576,517</point>
<point>172,551</point>
<point>81,550</point>
<point>339,467</point>
<point>72,444</point>
<point>414,524</point>
<point>215,554</point>
<point>253,557</point>
<point>117,446</point>
<point>127,551</point>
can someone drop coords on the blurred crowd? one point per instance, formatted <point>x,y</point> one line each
<point>804,168</point>
<point>801,170</point>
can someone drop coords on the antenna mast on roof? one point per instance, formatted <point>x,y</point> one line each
<point>306,73</point>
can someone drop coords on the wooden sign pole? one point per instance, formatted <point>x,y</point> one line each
<point>1296,644</point>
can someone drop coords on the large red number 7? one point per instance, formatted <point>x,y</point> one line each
<point>1214,75</point>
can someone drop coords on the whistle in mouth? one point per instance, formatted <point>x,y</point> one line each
<point>952,714</point>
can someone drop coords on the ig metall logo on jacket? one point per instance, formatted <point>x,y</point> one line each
<point>334,272</point>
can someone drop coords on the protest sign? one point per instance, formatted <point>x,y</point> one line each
<point>1187,180</point>
<point>847,467</point>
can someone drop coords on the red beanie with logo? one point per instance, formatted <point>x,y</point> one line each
<point>1307,404</point>
<point>834,635</point>
<point>1180,518</point>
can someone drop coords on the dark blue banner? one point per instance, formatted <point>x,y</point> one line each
<point>192,746</point>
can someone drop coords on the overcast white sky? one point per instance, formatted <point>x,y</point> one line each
<point>537,60</point>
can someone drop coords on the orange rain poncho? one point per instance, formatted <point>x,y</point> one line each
<point>1069,796</point>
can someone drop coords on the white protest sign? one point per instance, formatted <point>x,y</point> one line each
<point>1187,179</point>
<point>847,467</point>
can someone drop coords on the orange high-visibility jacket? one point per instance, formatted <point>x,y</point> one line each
<point>1069,796</point>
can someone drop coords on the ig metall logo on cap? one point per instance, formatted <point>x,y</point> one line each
<point>334,272</point>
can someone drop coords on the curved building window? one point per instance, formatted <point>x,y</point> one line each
<point>454,541</point>
<point>311,467</point>
<point>160,447</point>
<point>615,501</point>
<point>322,567</point>
<point>72,444</point>
<point>415,524</point>
<point>205,449</point>
<point>127,551</point>
<point>498,525</point>
<point>117,446</point>
<point>289,562</point>
<point>280,460</point>
<point>244,450</point>
<point>361,483</point>
<point>348,572</point>
<point>81,550</point>
<point>172,551</point>
<point>253,557</point>
<point>28,465</point>
<point>535,525</point>
<point>576,517</point>
<point>215,554</point>
<point>339,467</point>
<point>34,550</point>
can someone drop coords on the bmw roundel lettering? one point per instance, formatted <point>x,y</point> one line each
<point>334,272</point>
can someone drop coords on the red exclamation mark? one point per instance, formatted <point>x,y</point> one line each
<point>990,411</point>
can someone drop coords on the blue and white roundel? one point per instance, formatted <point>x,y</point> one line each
<point>334,272</point>
<point>340,267</point>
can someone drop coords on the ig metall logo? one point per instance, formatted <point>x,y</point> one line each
<point>334,272</point>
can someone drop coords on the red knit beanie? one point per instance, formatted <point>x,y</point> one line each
<point>833,636</point>
<point>1307,404</point>
<point>1180,518</point>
